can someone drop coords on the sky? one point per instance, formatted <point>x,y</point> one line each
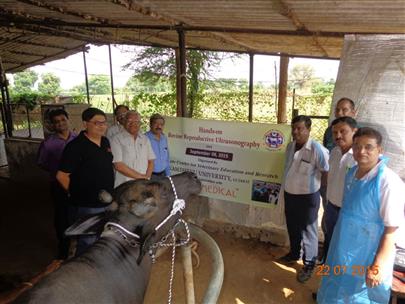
<point>71,70</point>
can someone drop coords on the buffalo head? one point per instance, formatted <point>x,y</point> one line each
<point>140,206</point>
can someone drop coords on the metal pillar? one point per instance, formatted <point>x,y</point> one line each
<point>282,91</point>
<point>251,65</point>
<point>181,74</point>
<point>85,76</point>
<point>114,104</point>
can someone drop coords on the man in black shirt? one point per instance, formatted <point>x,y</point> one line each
<point>86,168</point>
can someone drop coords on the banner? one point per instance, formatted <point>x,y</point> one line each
<point>236,161</point>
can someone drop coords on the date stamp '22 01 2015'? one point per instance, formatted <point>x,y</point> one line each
<point>354,270</point>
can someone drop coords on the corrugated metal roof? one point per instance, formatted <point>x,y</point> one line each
<point>35,31</point>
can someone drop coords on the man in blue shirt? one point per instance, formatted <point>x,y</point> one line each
<point>159,145</point>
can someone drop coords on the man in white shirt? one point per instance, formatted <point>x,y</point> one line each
<point>340,161</point>
<point>306,161</point>
<point>132,151</point>
<point>119,113</point>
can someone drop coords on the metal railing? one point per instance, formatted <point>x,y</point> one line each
<point>26,120</point>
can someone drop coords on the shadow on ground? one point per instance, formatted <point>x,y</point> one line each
<point>251,276</point>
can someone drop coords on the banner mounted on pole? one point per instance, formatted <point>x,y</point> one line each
<point>236,161</point>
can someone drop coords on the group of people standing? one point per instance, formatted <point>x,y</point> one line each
<point>363,209</point>
<point>98,158</point>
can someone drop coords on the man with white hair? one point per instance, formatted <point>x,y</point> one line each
<point>132,151</point>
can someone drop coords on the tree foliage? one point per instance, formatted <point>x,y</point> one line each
<point>301,75</point>
<point>49,84</point>
<point>24,82</point>
<point>98,85</point>
<point>156,63</point>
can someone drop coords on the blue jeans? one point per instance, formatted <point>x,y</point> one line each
<point>83,241</point>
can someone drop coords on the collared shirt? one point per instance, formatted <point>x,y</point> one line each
<point>161,149</point>
<point>302,174</point>
<point>91,170</point>
<point>113,130</point>
<point>135,153</point>
<point>50,153</point>
<point>339,164</point>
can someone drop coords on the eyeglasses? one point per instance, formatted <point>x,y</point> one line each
<point>368,147</point>
<point>98,123</point>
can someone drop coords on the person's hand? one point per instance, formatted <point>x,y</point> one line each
<point>373,276</point>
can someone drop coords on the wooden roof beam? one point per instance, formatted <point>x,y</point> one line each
<point>22,53</point>
<point>146,11</point>
<point>63,10</point>
<point>39,61</point>
<point>288,12</point>
<point>8,40</point>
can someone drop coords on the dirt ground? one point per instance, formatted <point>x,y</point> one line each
<point>251,275</point>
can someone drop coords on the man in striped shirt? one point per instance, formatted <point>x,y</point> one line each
<point>306,161</point>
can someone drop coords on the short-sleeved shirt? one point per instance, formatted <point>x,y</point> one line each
<point>392,196</point>
<point>339,164</point>
<point>91,170</point>
<point>50,153</point>
<point>161,149</point>
<point>302,174</point>
<point>113,130</point>
<point>133,152</point>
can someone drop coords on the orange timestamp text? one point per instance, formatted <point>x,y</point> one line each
<point>354,270</point>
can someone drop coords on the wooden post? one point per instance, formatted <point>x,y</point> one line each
<point>181,73</point>
<point>114,105</point>
<point>282,90</point>
<point>86,77</point>
<point>251,64</point>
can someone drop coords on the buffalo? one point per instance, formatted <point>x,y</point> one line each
<point>116,268</point>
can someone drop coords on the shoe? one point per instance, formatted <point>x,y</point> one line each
<point>305,273</point>
<point>314,295</point>
<point>288,259</point>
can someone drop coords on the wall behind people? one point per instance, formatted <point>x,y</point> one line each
<point>376,83</point>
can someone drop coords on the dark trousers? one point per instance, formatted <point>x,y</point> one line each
<point>83,242</point>
<point>301,212</point>
<point>331,216</point>
<point>61,222</point>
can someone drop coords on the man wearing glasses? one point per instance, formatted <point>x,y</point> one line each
<point>133,153</point>
<point>86,168</point>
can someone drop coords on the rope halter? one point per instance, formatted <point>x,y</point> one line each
<point>178,206</point>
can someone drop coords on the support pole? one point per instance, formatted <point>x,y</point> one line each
<point>282,90</point>
<point>85,76</point>
<point>182,73</point>
<point>112,79</point>
<point>188,274</point>
<point>251,65</point>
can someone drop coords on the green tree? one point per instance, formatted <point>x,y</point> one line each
<point>24,82</point>
<point>301,75</point>
<point>49,84</point>
<point>155,63</point>
<point>148,83</point>
<point>98,85</point>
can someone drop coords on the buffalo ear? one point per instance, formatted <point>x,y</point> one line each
<point>88,225</point>
<point>145,209</point>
